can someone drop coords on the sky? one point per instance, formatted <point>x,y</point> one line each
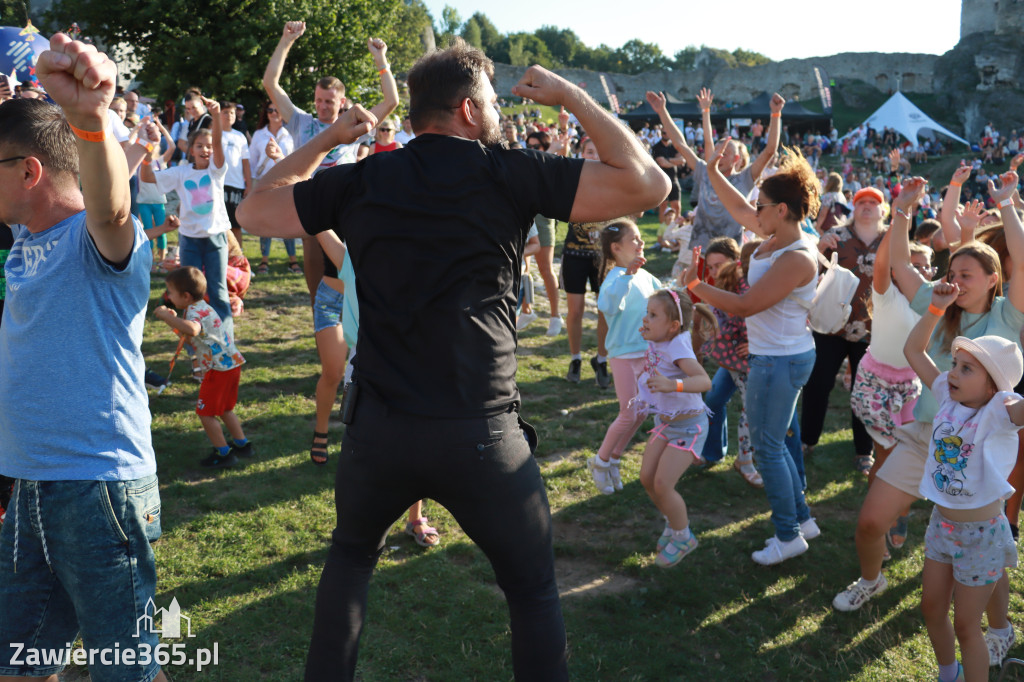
<point>790,30</point>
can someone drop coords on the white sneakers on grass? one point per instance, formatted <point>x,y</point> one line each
<point>776,551</point>
<point>525,320</point>
<point>858,593</point>
<point>999,647</point>
<point>600,471</point>
<point>555,326</point>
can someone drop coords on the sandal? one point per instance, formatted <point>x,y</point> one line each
<point>318,451</point>
<point>749,473</point>
<point>898,530</point>
<point>863,463</point>
<point>295,268</point>
<point>427,536</point>
<point>263,269</point>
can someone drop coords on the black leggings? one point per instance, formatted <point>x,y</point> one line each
<point>481,470</point>
<point>831,350</point>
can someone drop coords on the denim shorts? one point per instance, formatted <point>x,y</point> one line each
<point>327,308</point>
<point>75,557</point>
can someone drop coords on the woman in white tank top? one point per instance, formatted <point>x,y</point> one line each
<point>780,342</point>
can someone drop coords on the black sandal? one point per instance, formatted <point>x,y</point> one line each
<point>318,452</point>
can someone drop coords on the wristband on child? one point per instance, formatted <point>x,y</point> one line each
<point>693,285</point>
<point>903,213</point>
<point>148,145</point>
<point>706,111</point>
<point>385,69</point>
<point>1006,203</point>
<point>935,310</point>
<point>956,184</point>
<point>89,135</point>
<point>679,385</point>
<point>776,115</point>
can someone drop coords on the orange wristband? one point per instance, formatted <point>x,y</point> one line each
<point>692,285</point>
<point>956,184</point>
<point>774,115</point>
<point>679,385</point>
<point>384,70</point>
<point>934,310</point>
<point>706,111</point>
<point>89,135</point>
<point>1006,203</point>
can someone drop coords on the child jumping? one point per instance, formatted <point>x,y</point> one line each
<point>968,543</point>
<point>623,300</point>
<point>670,388</point>
<point>220,361</point>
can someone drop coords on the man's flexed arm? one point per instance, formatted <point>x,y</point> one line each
<point>272,76</point>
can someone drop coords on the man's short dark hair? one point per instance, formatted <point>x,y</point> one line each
<point>439,81</point>
<point>34,127</point>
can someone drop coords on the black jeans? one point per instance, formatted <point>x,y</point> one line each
<point>831,350</point>
<point>481,470</point>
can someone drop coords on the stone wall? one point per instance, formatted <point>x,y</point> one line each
<point>793,78</point>
<point>977,16</point>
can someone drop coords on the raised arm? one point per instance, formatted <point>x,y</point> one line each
<point>792,269</point>
<point>916,347</point>
<point>907,277</point>
<point>272,75</point>
<point>774,135</point>
<point>626,179</point>
<point>332,245</point>
<point>881,277</point>
<point>704,101</point>
<point>379,50</point>
<point>950,203</point>
<point>213,106</point>
<point>737,205</point>
<point>170,141</point>
<point>81,81</point>
<point>659,103</point>
<point>1014,231</point>
<point>269,210</point>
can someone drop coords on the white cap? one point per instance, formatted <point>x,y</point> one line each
<point>1001,358</point>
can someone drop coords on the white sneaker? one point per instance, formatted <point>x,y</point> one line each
<point>601,474</point>
<point>616,476</point>
<point>525,320</point>
<point>809,529</point>
<point>999,647</point>
<point>776,551</point>
<point>555,325</point>
<point>854,596</point>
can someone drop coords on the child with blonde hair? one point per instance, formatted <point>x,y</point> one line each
<point>670,388</point>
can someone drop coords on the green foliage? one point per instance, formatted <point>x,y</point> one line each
<point>13,12</point>
<point>749,58</point>
<point>525,49</point>
<point>685,59</point>
<point>636,56</point>
<point>222,46</point>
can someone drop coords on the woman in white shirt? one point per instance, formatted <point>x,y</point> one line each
<point>270,143</point>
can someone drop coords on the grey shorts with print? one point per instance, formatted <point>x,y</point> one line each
<point>978,550</point>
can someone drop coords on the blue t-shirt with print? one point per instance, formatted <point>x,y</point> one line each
<point>73,405</point>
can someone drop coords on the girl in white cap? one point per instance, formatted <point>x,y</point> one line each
<point>968,543</point>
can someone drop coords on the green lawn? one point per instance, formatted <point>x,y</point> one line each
<point>242,550</point>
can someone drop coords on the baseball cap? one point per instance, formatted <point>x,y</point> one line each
<point>869,193</point>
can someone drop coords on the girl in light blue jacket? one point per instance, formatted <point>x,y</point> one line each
<point>623,300</point>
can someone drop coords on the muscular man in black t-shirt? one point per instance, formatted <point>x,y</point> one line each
<point>438,273</point>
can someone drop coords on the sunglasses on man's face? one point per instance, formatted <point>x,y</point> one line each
<point>533,146</point>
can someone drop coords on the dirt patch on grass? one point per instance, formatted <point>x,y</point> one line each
<point>577,578</point>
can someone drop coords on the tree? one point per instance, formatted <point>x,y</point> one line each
<point>406,46</point>
<point>222,46</point>
<point>636,56</point>
<point>491,40</point>
<point>525,49</point>
<point>13,12</point>
<point>450,24</point>
<point>471,33</point>
<point>685,59</point>
<point>563,44</point>
<point>747,58</point>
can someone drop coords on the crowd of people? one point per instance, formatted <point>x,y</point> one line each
<point>930,343</point>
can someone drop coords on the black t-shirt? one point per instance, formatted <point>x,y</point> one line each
<point>6,242</point>
<point>436,232</point>
<point>661,150</point>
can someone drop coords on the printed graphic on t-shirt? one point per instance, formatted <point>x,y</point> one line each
<point>201,195</point>
<point>951,455</point>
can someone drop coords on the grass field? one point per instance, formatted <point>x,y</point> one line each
<point>242,550</point>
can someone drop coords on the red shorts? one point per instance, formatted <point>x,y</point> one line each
<point>219,392</point>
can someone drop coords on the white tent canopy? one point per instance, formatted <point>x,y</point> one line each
<point>905,118</point>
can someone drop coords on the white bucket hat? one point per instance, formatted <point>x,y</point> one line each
<point>1001,358</point>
